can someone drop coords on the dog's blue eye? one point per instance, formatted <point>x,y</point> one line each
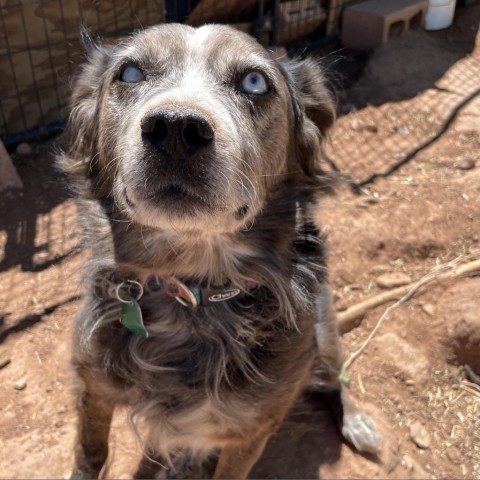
<point>255,83</point>
<point>132,74</point>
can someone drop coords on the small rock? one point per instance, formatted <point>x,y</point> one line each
<point>419,435</point>
<point>355,124</point>
<point>4,361</point>
<point>59,423</point>
<point>454,455</point>
<point>428,308</point>
<point>403,130</point>
<point>465,163</point>
<point>20,384</point>
<point>408,462</point>
<point>392,280</point>
<point>23,149</point>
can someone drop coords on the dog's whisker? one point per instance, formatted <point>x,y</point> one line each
<point>236,170</point>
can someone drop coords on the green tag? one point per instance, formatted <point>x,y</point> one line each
<point>132,317</point>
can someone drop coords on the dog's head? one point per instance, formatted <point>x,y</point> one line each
<point>189,129</point>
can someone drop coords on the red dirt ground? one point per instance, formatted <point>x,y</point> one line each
<point>426,213</point>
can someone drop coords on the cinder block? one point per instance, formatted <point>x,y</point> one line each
<point>368,25</point>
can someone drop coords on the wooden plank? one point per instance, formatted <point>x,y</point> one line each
<point>8,175</point>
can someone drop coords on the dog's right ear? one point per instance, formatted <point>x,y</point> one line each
<point>81,132</point>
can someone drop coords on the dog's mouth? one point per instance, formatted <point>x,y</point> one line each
<point>175,198</point>
<point>177,192</point>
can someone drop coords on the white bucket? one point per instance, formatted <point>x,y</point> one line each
<point>439,14</point>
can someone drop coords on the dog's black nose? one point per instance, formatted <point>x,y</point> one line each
<point>184,132</point>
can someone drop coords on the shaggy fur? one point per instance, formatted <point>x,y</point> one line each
<point>186,173</point>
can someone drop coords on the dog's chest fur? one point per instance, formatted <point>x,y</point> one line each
<point>207,375</point>
<point>202,377</point>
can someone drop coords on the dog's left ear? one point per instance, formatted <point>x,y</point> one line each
<point>314,111</point>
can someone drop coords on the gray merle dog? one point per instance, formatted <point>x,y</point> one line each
<point>207,309</point>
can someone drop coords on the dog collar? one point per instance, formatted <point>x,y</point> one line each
<point>130,292</point>
<point>194,297</point>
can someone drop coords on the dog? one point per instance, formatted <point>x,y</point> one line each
<point>193,156</point>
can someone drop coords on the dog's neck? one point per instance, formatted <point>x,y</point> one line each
<point>213,259</point>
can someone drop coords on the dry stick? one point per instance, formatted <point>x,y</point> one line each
<point>346,319</point>
<point>444,272</point>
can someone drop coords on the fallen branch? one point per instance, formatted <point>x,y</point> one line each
<point>444,272</point>
<point>348,318</point>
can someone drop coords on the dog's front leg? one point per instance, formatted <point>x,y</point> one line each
<point>357,427</point>
<point>236,461</point>
<point>95,415</point>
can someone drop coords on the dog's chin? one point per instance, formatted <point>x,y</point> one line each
<point>174,208</point>
<point>177,200</point>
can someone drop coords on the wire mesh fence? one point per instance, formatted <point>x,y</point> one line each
<point>40,48</point>
<point>413,95</point>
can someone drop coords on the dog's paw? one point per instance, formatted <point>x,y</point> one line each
<point>360,430</point>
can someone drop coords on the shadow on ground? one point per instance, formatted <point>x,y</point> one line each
<point>308,439</point>
<point>403,97</point>
<point>45,188</point>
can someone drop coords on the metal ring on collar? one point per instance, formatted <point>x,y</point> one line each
<point>182,294</point>
<point>119,286</point>
<point>183,302</point>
